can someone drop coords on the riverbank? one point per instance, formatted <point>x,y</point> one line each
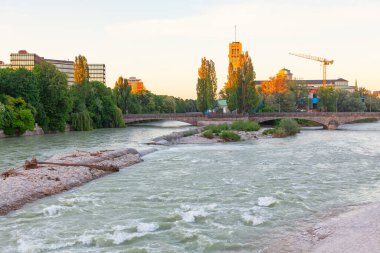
<point>357,230</point>
<point>61,173</point>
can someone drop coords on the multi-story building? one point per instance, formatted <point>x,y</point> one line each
<point>235,52</point>
<point>3,65</point>
<point>26,60</point>
<point>23,59</point>
<point>66,67</point>
<point>136,84</point>
<point>97,72</point>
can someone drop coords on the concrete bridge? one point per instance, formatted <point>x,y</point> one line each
<point>329,120</point>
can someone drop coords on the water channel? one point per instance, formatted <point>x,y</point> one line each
<point>194,198</point>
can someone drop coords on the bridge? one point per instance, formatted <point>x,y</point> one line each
<point>329,120</point>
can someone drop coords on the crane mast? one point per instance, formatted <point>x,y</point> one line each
<point>315,58</point>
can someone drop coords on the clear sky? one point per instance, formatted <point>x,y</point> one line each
<point>162,41</point>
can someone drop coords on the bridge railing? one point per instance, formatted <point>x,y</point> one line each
<point>164,115</point>
<point>313,114</point>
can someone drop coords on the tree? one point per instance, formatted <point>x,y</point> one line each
<point>2,111</point>
<point>246,85</point>
<point>277,84</point>
<point>240,88</point>
<point>54,96</point>
<point>122,93</point>
<point>327,99</point>
<point>81,73</point>
<point>282,102</point>
<point>206,85</point>
<point>229,91</point>
<point>94,107</point>
<point>22,83</point>
<point>17,117</point>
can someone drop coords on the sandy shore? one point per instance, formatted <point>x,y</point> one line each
<point>27,185</point>
<point>355,231</point>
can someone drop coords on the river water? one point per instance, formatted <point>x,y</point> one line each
<point>195,198</point>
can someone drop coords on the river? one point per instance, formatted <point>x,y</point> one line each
<point>195,198</point>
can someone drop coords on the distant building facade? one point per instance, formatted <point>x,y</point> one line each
<point>26,60</point>
<point>66,67</point>
<point>136,84</point>
<point>3,65</point>
<point>97,72</point>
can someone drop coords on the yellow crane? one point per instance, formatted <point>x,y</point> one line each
<point>320,59</point>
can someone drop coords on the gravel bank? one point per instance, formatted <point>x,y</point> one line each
<point>355,231</point>
<point>27,185</point>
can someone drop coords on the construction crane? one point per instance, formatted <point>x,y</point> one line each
<point>320,59</point>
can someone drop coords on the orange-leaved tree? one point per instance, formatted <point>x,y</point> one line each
<point>80,69</point>
<point>277,84</point>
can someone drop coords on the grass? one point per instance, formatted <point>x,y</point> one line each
<point>208,134</point>
<point>229,136</point>
<point>217,129</point>
<point>242,125</point>
<point>268,131</point>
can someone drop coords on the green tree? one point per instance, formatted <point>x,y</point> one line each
<point>22,83</point>
<point>17,117</point>
<point>206,85</point>
<point>54,96</point>
<point>94,107</point>
<point>2,111</point>
<point>327,99</point>
<point>122,92</point>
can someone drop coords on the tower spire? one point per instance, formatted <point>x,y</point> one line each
<point>235,33</point>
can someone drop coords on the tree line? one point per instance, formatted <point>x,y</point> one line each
<point>43,96</point>
<point>278,94</point>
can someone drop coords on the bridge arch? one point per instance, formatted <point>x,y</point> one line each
<point>322,123</point>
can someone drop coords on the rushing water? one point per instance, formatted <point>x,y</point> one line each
<point>195,198</point>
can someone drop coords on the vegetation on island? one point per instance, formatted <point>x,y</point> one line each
<point>242,125</point>
<point>286,127</point>
<point>226,132</point>
<point>229,136</point>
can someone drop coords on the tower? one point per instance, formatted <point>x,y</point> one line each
<point>235,51</point>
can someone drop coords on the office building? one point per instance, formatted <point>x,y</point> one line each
<point>26,60</point>
<point>66,67</point>
<point>97,72</point>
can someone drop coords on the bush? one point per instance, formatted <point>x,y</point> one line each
<point>229,136</point>
<point>286,127</point>
<point>268,131</point>
<point>217,129</point>
<point>279,132</point>
<point>208,134</point>
<point>290,126</point>
<point>242,125</point>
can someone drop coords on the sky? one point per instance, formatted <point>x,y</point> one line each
<point>162,42</point>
